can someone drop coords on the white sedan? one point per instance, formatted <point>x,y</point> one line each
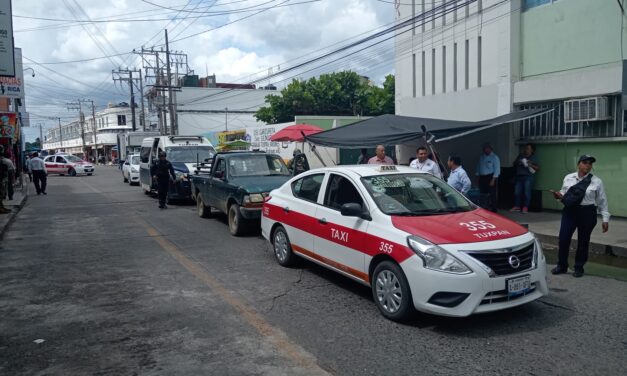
<point>130,169</point>
<point>414,240</point>
<point>66,164</point>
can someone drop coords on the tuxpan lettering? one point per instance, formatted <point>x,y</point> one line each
<point>490,234</point>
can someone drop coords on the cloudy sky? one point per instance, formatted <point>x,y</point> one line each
<point>73,45</point>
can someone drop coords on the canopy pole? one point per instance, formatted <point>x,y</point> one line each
<point>312,148</point>
<point>433,151</point>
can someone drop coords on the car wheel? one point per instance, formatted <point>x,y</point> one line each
<point>390,291</point>
<point>282,247</point>
<point>203,210</point>
<point>72,172</point>
<point>236,221</point>
<point>90,174</point>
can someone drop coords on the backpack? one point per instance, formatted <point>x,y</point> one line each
<point>576,193</point>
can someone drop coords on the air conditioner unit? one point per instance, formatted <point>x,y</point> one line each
<point>586,109</point>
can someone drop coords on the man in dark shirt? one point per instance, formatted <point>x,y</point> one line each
<point>161,171</point>
<point>526,165</point>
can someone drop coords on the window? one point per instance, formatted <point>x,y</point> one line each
<point>308,187</point>
<point>466,62</point>
<point>424,76</point>
<point>413,16</point>
<point>422,19</point>
<point>413,73</point>
<point>433,71</point>
<point>433,14</point>
<point>220,168</point>
<point>256,165</point>
<point>60,160</point>
<point>341,191</point>
<point>479,62</point>
<point>454,66</point>
<point>444,69</point>
<point>528,4</point>
<point>144,154</point>
<point>121,119</point>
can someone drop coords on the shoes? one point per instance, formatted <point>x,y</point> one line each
<point>525,210</point>
<point>578,273</point>
<point>161,206</point>
<point>514,209</point>
<point>559,270</point>
<point>38,193</point>
<point>44,193</point>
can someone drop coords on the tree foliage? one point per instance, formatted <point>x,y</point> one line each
<point>335,94</point>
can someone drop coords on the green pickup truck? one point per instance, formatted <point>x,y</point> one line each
<point>237,186</point>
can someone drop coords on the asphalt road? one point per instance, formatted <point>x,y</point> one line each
<point>95,279</point>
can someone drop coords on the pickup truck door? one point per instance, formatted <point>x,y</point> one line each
<point>217,190</point>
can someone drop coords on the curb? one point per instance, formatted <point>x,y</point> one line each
<point>7,221</point>
<point>597,248</point>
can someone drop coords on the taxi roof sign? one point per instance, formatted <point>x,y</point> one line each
<point>384,168</point>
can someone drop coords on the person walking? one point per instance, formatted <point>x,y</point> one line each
<point>40,174</point>
<point>488,171</point>
<point>526,165</point>
<point>27,168</point>
<point>6,160</point>
<point>458,178</point>
<point>583,195</point>
<point>423,163</point>
<point>380,157</point>
<point>363,157</point>
<point>4,181</point>
<point>161,171</point>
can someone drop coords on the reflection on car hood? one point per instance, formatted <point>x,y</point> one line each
<point>259,184</point>
<point>459,227</point>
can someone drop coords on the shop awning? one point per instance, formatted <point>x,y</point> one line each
<point>395,129</point>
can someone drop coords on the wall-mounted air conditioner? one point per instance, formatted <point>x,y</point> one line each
<point>586,109</point>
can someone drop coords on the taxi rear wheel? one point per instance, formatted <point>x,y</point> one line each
<point>391,293</point>
<point>282,247</point>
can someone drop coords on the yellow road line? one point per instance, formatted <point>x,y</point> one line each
<point>277,338</point>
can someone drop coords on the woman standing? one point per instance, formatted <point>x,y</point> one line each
<point>582,195</point>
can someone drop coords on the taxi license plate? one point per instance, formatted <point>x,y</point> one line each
<point>518,285</point>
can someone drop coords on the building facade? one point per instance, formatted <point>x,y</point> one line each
<point>78,137</point>
<point>473,60</point>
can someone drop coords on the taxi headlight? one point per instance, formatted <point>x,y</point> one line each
<point>435,257</point>
<point>255,198</point>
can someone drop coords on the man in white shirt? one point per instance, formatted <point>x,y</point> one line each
<point>423,163</point>
<point>40,175</point>
<point>581,217</point>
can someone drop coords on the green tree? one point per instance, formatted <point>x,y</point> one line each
<point>335,94</point>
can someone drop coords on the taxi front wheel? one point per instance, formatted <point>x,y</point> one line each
<point>282,247</point>
<point>391,291</point>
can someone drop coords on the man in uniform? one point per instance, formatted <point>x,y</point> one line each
<point>423,163</point>
<point>161,171</point>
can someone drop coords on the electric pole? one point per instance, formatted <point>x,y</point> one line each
<point>60,135</point>
<point>173,126</point>
<point>126,75</point>
<point>77,106</point>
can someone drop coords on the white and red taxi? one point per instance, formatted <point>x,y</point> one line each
<point>415,240</point>
<point>66,164</point>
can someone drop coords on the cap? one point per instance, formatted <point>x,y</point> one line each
<point>587,157</point>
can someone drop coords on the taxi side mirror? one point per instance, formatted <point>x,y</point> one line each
<point>353,209</point>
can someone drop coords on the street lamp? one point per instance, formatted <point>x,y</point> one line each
<point>24,70</point>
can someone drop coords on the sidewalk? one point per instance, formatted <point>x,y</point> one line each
<point>546,225</point>
<point>19,199</point>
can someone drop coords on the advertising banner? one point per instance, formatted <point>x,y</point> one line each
<point>7,54</point>
<point>8,126</point>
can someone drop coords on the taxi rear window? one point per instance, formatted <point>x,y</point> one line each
<point>308,187</point>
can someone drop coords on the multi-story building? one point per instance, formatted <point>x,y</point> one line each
<point>474,60</point>
<point>77,137</point>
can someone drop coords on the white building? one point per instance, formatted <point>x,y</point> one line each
<point>108,123</point>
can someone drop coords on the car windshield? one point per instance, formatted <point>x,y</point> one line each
<point>135,160</point>
<point>190,154</point>
<point>257,165</point>
<point>414,194</point>
<point>71,158</point>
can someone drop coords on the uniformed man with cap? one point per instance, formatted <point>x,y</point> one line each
<point>580,213</point>
<point>161,171</point>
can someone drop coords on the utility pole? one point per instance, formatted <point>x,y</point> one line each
<point>128,77</point>
<point>173,125</point>
<point>41,137</point>
<point>60,135</point>
<point>77,106</point>
<point>141,93</point>
<point>226,118</point>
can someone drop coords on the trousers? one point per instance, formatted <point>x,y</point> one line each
<point>40,179</point>
<point>580,218</point>
<point>163,185</point>
<point>484,187</point>
<point>522,190</point>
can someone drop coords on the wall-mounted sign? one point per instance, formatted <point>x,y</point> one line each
<point>12,87</point>
<point>8,125</point>
<point>7,54</point>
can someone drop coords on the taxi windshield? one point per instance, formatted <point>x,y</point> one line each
<point>414,194</point>
<point>71,158</point>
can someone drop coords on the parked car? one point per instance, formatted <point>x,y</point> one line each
<point>414,240</point>
<point>237,185</point>
<point>130,169</point>
<point>66,164</point>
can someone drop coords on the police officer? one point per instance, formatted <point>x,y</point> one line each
<point>161,171</point>
<point>581,217</point>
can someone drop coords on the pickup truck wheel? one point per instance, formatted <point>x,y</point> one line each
<point>282,247</point>
<point>203,210</point>
<point>237,223</point>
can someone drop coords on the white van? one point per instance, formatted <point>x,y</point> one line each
<point>184,152</point>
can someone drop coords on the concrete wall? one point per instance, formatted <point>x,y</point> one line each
<point>559,159</point>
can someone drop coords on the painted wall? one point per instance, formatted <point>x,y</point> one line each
<point>570,34</point>
<point>557,160</point>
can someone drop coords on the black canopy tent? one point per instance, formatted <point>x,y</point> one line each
<point>396,130</point>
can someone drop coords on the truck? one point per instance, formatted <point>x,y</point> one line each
<point>186,153</point>
<point>131,142</point>
<point>237,185</point>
